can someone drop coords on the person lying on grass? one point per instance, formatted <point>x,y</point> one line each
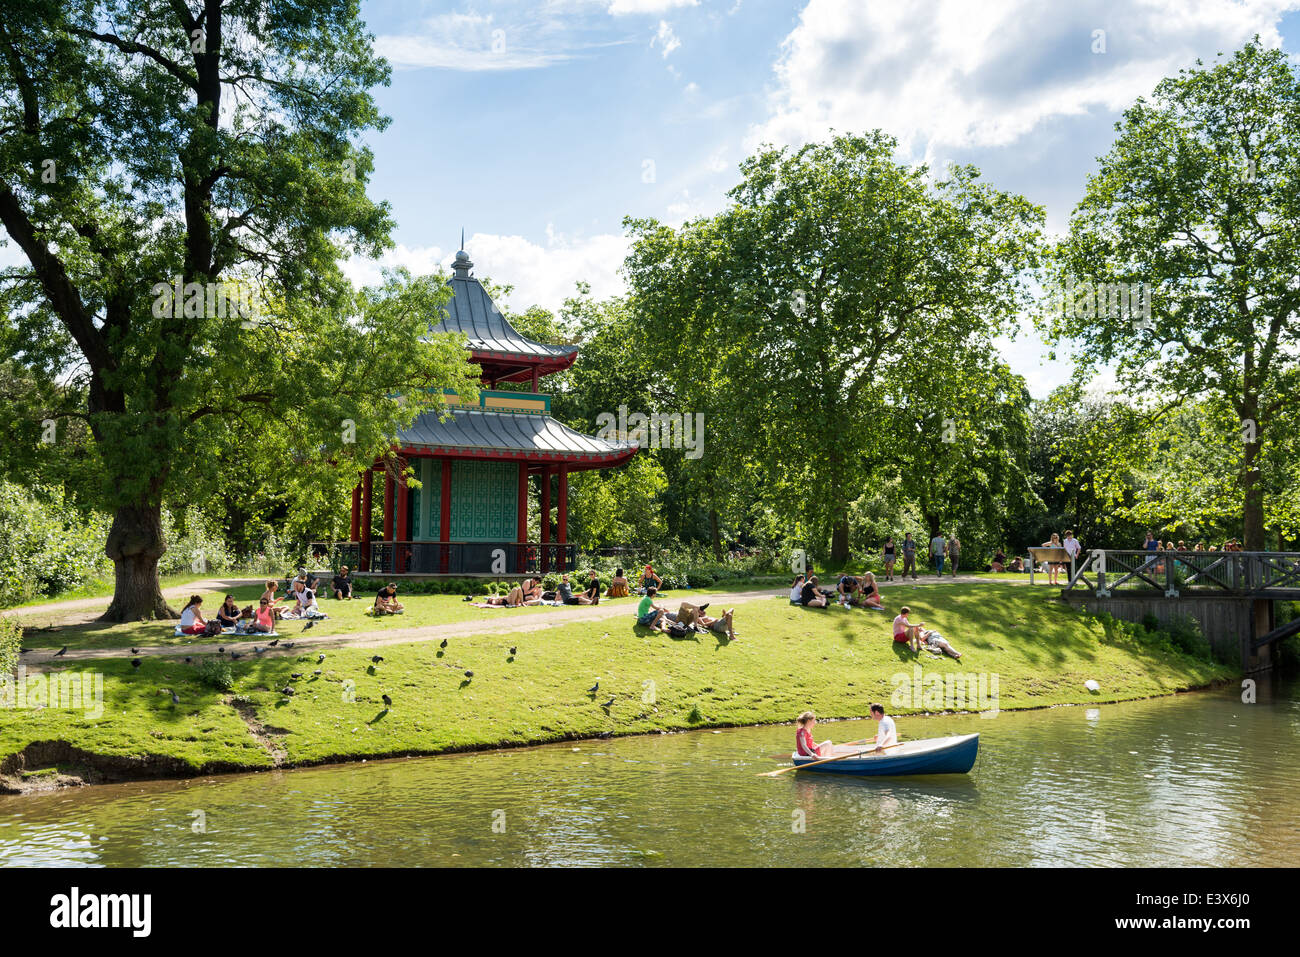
<point>803,739</point>
<point>936,643</point>
<point>722,626</point>
<point>527,592</point>
<point>386,602</point>
<point>650,614</point>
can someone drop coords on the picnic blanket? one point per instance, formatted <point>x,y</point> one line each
<point>228,631</point>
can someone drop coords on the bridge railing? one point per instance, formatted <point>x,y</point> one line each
<point>1174,573</point>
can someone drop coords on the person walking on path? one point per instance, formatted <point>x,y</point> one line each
<point>954,553</point>
<point>889,559</point>
<point>937,546</point>
<point>909,555</point>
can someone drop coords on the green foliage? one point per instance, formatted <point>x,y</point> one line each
<point>216,673</point>
<point>49,546</point>
<point>11,634</point>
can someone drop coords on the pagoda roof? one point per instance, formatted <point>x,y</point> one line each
<point>518,436</point>
<point>472,312</point>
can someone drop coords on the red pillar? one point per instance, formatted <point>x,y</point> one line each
<point>546,517</point>
<point>354,534</point>
<point>400,533</point>
<point>444,520</point>
<point>534,378</point>
<point>367,484</point>
<point>562,519</point>
<point>389,491</point>
<point>521,524</point>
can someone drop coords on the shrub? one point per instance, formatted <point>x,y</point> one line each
<point>10,638</point>
<point>216,673</point>
<point>49,545</point>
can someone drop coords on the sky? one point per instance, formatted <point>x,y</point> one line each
<point>537,126</point>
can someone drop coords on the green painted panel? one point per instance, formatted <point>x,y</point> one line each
<point>484,501</point>
<point>428,513</point>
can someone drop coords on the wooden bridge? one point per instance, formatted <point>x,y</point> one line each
<point>1231,595</point>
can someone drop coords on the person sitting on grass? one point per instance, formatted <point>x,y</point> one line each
<point>564,592</point>
<point>618,585</point>
<point>650,614</point>
<point>905,632</point>
<point>869,592</point>
<point>650,580</point>
<point>263,622</point>
<point>847,587</point>
<point>192,622</point>
<point>886,732</point>
<point>803,739</point>
<point>343,584</point>
<point>811,596</point>
<point>1018,564</point>
<point>592,595</point>
<point>796,590</point>
<point>999,562</point>
<point>269,595</point>
<point>386,602</point>
<point>228,614</point>
<point>722,626</point>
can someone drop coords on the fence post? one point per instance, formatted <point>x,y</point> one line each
<point>1171,590</point>
<point>1102,590</point>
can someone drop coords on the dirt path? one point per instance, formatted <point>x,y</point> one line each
<point>93,607</point>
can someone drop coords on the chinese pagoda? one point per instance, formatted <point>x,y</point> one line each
<point>475,468</point>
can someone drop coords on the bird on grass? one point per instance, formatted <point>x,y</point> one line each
<point>289,644</point>
<point>287,691</point>
<point>376,658</point>
<point>61,652</point>
<point>608,703</point>
<point>135,651</point>
<point>135,662</point>
<point>594,688</point>
<point>512,650</point>
<point>221,651</point>
<point>443,643</point>
<point>388,702</point>
<point>320,658</point>
<point>295,676</point>
<point>307,627</point>
<point>274,643</point>
<point>235,656</point>
<point>189,661</point>
<point>176,699</point>
<point>469,674</point>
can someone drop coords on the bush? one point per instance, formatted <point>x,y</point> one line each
<point>49,545</point>
<point>216,673</point>
<point>10,638</point>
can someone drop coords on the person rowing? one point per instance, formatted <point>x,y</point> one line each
<point>886,733</point>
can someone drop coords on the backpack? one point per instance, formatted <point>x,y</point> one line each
<point>679,629</point>
<point>212,630</point>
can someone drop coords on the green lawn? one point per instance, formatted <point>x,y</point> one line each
<point>836,661</point>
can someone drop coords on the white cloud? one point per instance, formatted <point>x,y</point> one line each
<point>624,7</point>
<point>959,74</point>
<point>666,39</point>
<point>543,275</point>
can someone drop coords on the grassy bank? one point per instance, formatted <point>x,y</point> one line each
<point>787,658</point>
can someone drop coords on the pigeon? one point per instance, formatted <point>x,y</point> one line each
<point>469,674</point>
<point>135,662</point>
<point>274,643</point>
<point>512,649</point>
<point>594,688</point>
<point>61,652</point>
<point>388,702</point>
<point>317,672</point>
<point>305,628</point>
<point>221,651</point>
<point>135,651</point>
<point>443,643</point>
<point>290,644</point>
<point>320,658</point>
<point>376,658</point>
<point>189,661</point>
<point>296,675</point>
<point>287,691</point>
<point>235,656</point>
<point>609,702</point>
<point>176,699</point>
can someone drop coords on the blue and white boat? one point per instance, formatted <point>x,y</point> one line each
<point>954,754</point>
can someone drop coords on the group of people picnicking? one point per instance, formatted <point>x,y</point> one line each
<point>862,591</point>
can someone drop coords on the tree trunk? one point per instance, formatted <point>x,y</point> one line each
<point>713,529</point>
<point>1253,500</point>
<point>135,543</point>
<point>840,537</point>
<point>932,522</point>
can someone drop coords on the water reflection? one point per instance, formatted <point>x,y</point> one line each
<point>1197,779</point>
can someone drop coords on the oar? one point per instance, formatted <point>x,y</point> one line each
<point>813,764</point>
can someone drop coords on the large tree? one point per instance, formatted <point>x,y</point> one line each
<point>1180,268</point>
<point>211,146</point>
<point>833,264</point>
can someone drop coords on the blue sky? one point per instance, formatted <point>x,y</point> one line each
<point>537,126</point>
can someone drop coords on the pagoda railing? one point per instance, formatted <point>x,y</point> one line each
<point>450,558</point>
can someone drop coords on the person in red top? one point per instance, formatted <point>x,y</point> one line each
<point>803,740</point>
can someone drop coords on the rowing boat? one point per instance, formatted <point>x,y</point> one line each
<point>954,754</point>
